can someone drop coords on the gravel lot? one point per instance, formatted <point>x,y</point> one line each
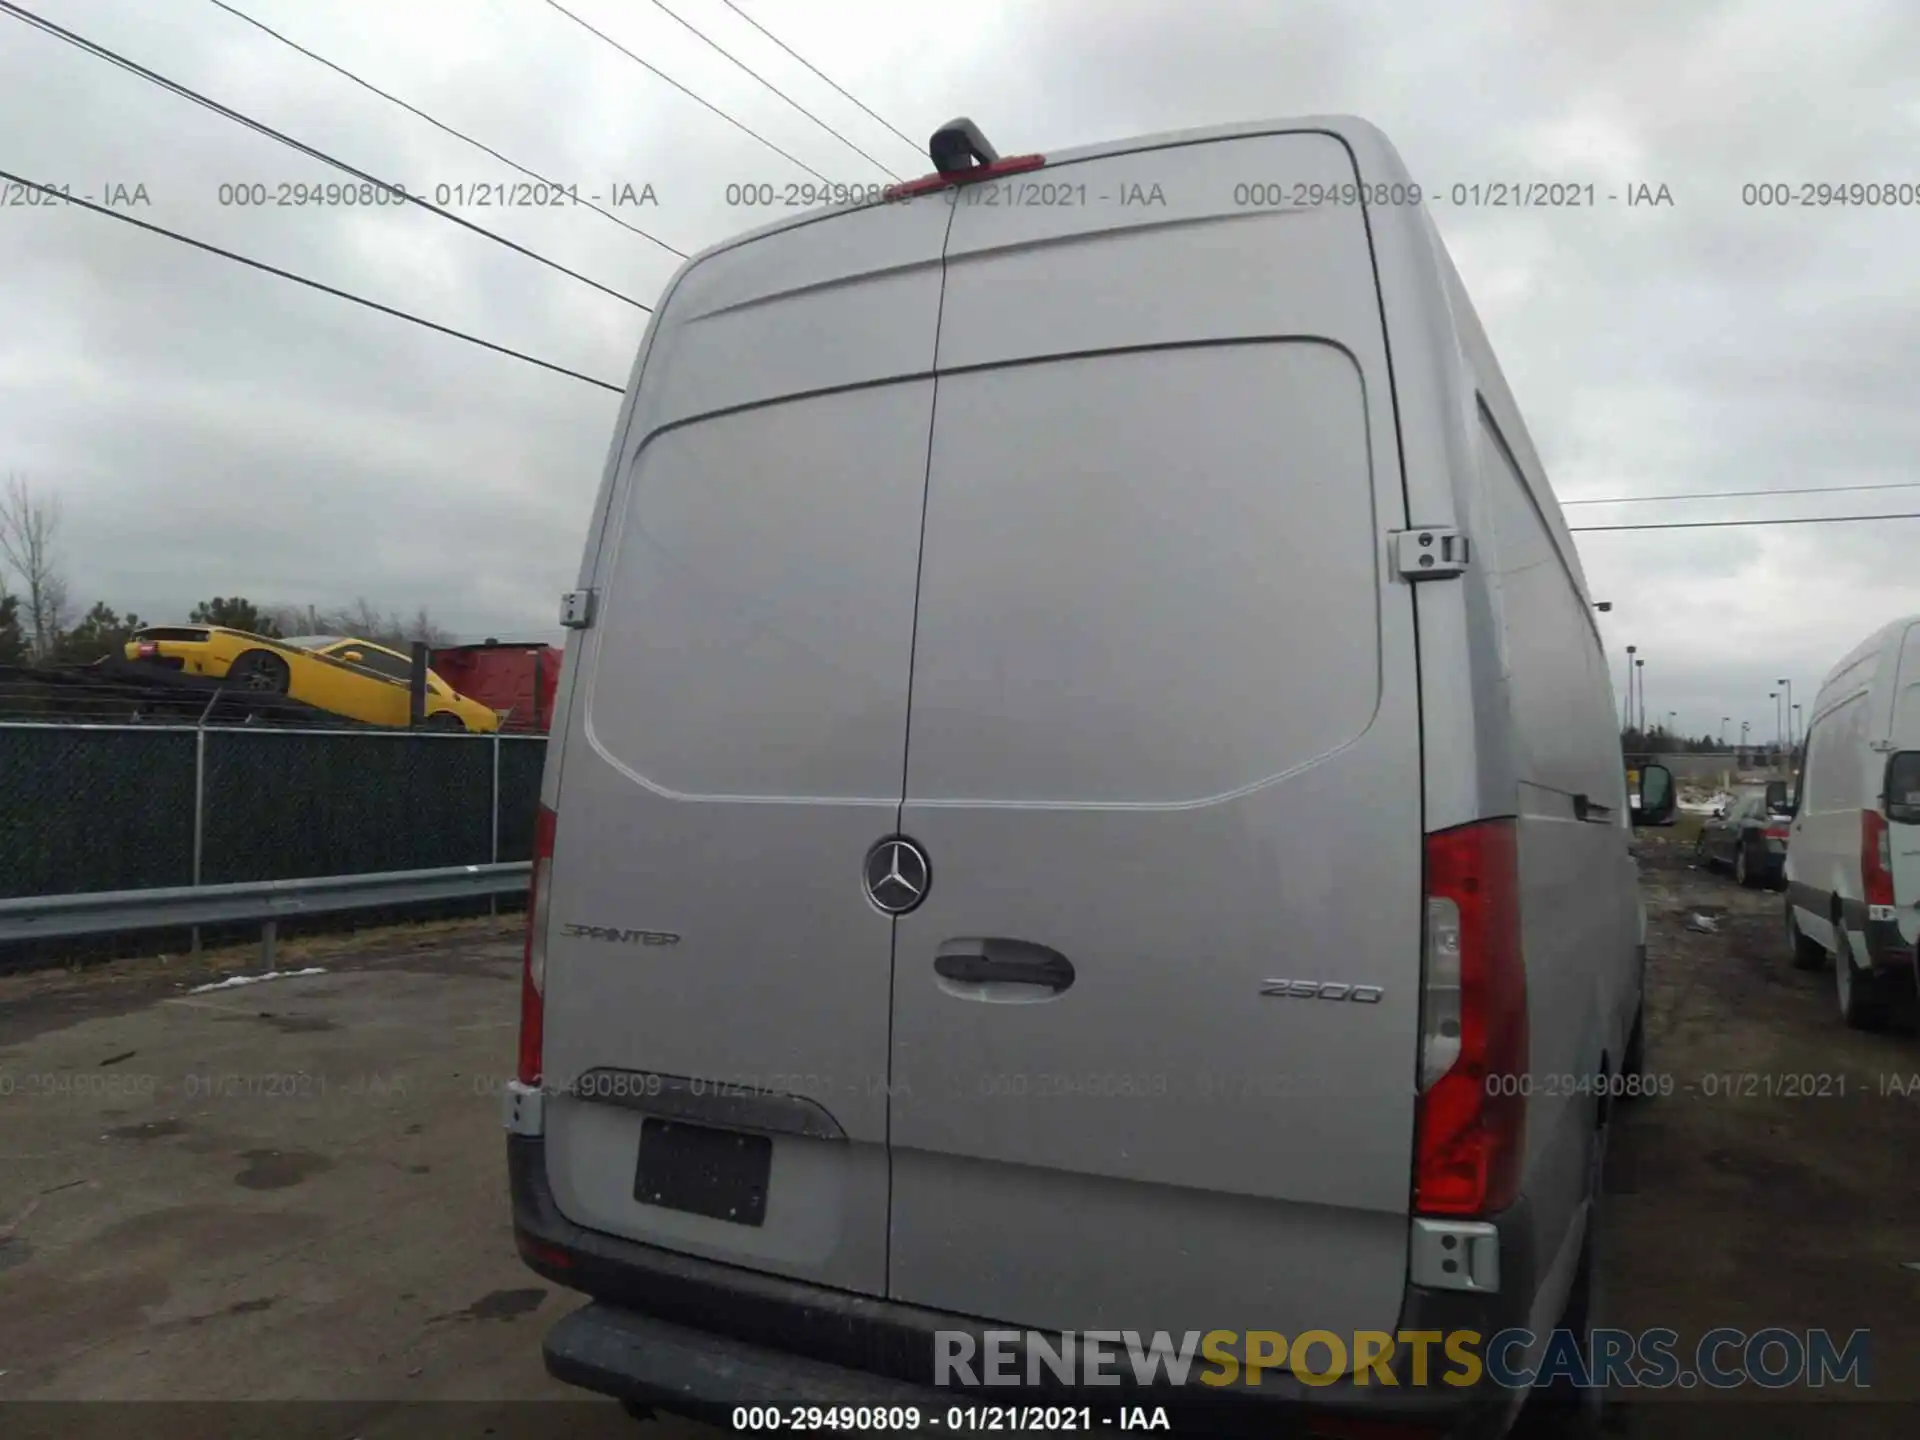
<point>1754,1196</point>
<point>295,1191</point>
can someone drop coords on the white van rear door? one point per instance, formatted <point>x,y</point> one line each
<point>1164,741</point>
<point>734,746</point>
<point>1900,782</point>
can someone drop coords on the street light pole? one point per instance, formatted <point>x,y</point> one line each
<point>1802,733</point>
<point>1626,720</point>
<point>1724,721</point>
<point>1640,668</point>
<point>1788,710</point>
<point>1778,729</point>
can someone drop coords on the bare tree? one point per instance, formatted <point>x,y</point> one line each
<point>363,620</point>
<point>29,527</point>
<point>423,627</point>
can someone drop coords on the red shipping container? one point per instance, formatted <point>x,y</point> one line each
<point>516,676</point>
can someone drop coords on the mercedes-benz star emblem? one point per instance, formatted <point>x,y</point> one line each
<point>897,875</point>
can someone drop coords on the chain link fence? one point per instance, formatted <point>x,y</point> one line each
<point>86,808</point>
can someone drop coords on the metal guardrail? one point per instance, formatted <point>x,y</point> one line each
<point>111,912</point>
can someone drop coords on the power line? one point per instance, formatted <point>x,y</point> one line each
<point>1741,494</point>
<point>1716,524</point>
<point>310,284</point>
<point>714,44</point>
<point>101,52</point>
<point>917,147</point>
<point>439,124</point>
<point>684,91</point>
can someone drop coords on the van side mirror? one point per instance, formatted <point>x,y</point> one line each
<point>1656,796</point>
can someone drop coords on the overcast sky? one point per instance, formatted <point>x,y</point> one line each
<point>209,429</point>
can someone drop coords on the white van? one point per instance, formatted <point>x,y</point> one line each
<point>1853,854</point>
<point>1085,797</point>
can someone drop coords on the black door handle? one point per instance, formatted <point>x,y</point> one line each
<point>1005,962</point>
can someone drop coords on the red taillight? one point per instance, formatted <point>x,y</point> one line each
<point>1471,1123</point>
<point>1876,858</point>
<point>940,179</point>
<point>539,1254</point>
<point>533,973</point>
<point>146,649</point>
<point>1776,832</point>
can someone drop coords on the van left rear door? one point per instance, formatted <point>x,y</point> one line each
<point>734,744</point>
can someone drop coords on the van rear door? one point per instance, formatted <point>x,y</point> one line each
<point>1155,1023</point>
<point>734,745</point>
<point>1900,787</point>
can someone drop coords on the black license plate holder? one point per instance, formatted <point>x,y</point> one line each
<point>704,1170</point>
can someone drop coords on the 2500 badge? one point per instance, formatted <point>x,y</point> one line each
<point>1323,990</point>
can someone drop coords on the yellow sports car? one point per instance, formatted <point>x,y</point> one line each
<point>336,673</point>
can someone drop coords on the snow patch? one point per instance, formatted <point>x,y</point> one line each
<point>235,981</point>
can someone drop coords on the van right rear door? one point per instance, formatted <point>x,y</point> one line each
<point>1164,762</point>
<point>1900,785</point>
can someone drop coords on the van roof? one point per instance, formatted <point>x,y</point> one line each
<point>1875,642</point>
<point>1360,135</point>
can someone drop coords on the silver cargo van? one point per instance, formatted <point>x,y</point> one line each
<point>1084,797</point>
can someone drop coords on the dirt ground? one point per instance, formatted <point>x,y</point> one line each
<point>294,1192</point>
<point>1743,1200</point>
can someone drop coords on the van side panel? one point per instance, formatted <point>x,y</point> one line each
<point>1441,366</point>
<point>1579,919</point>
<point>1516,703</point>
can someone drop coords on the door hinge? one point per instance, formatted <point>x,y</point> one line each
<point>576,610</point>
<point>1433,552</point>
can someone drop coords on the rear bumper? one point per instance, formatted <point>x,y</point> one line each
<point>1888,952</point>
<point>697,1337</point>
